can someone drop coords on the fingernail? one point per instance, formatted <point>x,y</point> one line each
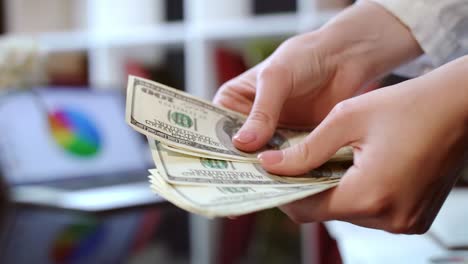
<point>271,157</point>
<point>245,137</point>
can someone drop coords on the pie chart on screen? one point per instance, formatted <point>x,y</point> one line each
<point>74,132</point>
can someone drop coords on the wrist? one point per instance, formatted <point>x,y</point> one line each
<point>445,93</point>
<point>368,41</point>
<point>456,80</point>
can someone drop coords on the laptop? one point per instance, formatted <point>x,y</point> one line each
<point>71,148</point>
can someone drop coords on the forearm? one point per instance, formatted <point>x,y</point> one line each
<point>441,103</point>
<point>369,40</point>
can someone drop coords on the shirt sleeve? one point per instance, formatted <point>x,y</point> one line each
<point>439,26</point>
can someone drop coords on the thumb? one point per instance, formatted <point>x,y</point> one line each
<point>338,129</point>
<point>273,85</point>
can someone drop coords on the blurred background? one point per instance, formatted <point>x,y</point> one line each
<point>63,72</point>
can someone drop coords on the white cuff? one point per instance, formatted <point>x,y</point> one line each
<point>423,19</point>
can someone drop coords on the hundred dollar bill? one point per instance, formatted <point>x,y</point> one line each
<point>187,123</point>
<point>181,169</point>
<point>343,154</point>
<point>222,201</point>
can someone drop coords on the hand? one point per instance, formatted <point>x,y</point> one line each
<point>278,89</point>
<point>308,74</point>
<point>409,140</point>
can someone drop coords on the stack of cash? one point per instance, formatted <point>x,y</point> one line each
<point>197,166</point>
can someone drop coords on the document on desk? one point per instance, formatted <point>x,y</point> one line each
<point>198,168</point>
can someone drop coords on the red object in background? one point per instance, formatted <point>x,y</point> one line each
<point>328,249</point>
<point>235,238</point>
<point>137,69</point>
<point>229,64</point>
<point>325,245</point>
<point>149,223</point>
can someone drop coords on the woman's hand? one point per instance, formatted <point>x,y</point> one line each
<point>309,74</point>
<point>409,140</point>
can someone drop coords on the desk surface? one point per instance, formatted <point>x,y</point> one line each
<point>363,245</point>
<point>140,236</point>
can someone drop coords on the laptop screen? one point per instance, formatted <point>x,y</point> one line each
<point>50,134</point>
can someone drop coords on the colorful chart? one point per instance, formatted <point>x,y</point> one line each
<point>77,242</point>
<point>74,132</point>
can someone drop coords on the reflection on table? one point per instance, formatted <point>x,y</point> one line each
<point>146,235</point>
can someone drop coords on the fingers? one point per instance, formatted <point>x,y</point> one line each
<point>347,202</point>
<point>238,94</point>
<point>339,128</point>
<point>273,86</point>
<point>352,202</point>
<point>337,203</point>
